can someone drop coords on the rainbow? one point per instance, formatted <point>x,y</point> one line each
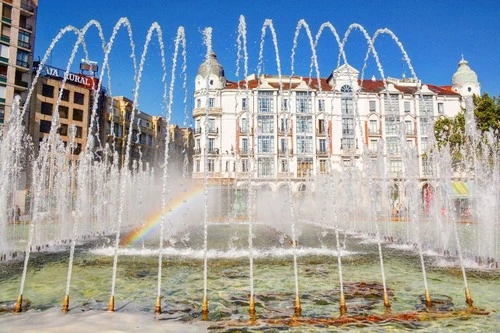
<point>174,206</point>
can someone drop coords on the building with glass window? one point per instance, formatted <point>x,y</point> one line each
<point>272,130</point>
<point>17,42</point>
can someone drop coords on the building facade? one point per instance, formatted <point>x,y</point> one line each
<point>17,42</point>
<point>74,103</point>
<point>273,130</point>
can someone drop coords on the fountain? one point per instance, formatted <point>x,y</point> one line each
<point>265,260</point>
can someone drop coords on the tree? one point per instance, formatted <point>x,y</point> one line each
<point>451,131</point>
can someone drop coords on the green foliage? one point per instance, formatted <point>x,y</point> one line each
<point>452,130</point>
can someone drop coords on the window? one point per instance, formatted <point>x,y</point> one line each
<point>424,126</point>
<point>244,165</point>
<point>321,105</point>
<point>78,98</point>
<point>284,165</point>
<point>284,104</point>
<point>346,88</point>
<point>407,107</point>
<point>227,166</point>
<point>283,145</point>
<point>373,146</point>
<point>63,129</point>
<point>395,167</point>
<point>78,133</point>
<point>265,144</point>
<point>304,124</point>
<point>373,127</point>
<point>304,144</point>
<point>63,112</point>
<point>393,145</point>
<point>322,145</point>
<point>409,127</point>
<point>211,102</point>
<point>265,167</point>
<point>303,100</point>
<point>244,103</point>
<point>321,126</point>
<point>211,125</point>
<point>373,106</point>
<point>323,168</point>
<point>283,125</point>
<point>198,103</point>
<point>440,108</point>
<point>347,143</point>
<point>65,95</point>
<point>45,126</point>
<point>244,145</point>
<point>211,145</point>
<point>244,125</point>
<point>23,39</point>
<point>423,142</point>
<point>265,101</point>
<point>47,90</point>
<point>22,58</point>
<point>46,108</point>
<point>304,167</point>
<point>265,124</point>
<point>392,125</point>
<point>197,165</point>
<point>347,106</point>
<point>348,126</point>
<point>426,106</point>
<point>211,165</point>
<point>391,104</point>
<point>77,114</point>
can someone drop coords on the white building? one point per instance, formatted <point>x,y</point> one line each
<point>272,130</point>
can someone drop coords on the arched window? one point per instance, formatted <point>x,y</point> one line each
<point>346,88</point>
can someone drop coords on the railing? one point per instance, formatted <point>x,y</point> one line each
<point>374,132</point>
<point>281,131</point>
<point>22,63</point>
<point>24,44</point>
<point>320,132</point>
<point>21,83</point>
<point>26,27</point>
<point>197,131</point>
<point>245,152</point>
<point>203,111</point>
<point>283,152</point>
<point>322,152</point>
<point>6,19</point>
<point>27,7</point>
<point>213,130</point>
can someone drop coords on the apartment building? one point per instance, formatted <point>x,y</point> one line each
<point>17,41</point>
<point>273,129</point>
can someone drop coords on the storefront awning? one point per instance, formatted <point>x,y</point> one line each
<point>459,190</point>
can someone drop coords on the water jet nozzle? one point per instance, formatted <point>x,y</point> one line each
<point>19,304</point>
<point>65,307</point>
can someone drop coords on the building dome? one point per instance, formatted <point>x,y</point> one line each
<point>211,66</point>
<point>464,74</point>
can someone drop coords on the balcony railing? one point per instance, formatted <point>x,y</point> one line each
<point>281,131</point>
<point>197,131</point>
<point>5,38</point>
<point>24,44</point>
<point>320,132</point>
<point>376,132</point>
<point>322,152</point>
<point>203,111</point>
<point>245,152</point>
<point>284,152</point>
<point>26,5</point>
<point>21,83</point>
<point>22,63</point>
<point>213,130</point>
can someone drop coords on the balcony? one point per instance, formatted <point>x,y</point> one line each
<point>197,131</point>
<point>26,27</point>
<point>320,132</point>
<point>374,132</point>
<point>24,45</point>
<point>203,111</point>
<point>23,64</point>
<point>213,131</point>
<point>3,78</point>
<point>5,38</point>
<point>282,131</point>
<point>245,152</point>
<point>7,20</point>
<point>23,85</point>
<point>410,132</point>
<point>322,152</point>
<point>284,152</point>
<point>244,131</point>
<point>26,6</point>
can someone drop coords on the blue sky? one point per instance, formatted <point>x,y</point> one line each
<point>434,34</point>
